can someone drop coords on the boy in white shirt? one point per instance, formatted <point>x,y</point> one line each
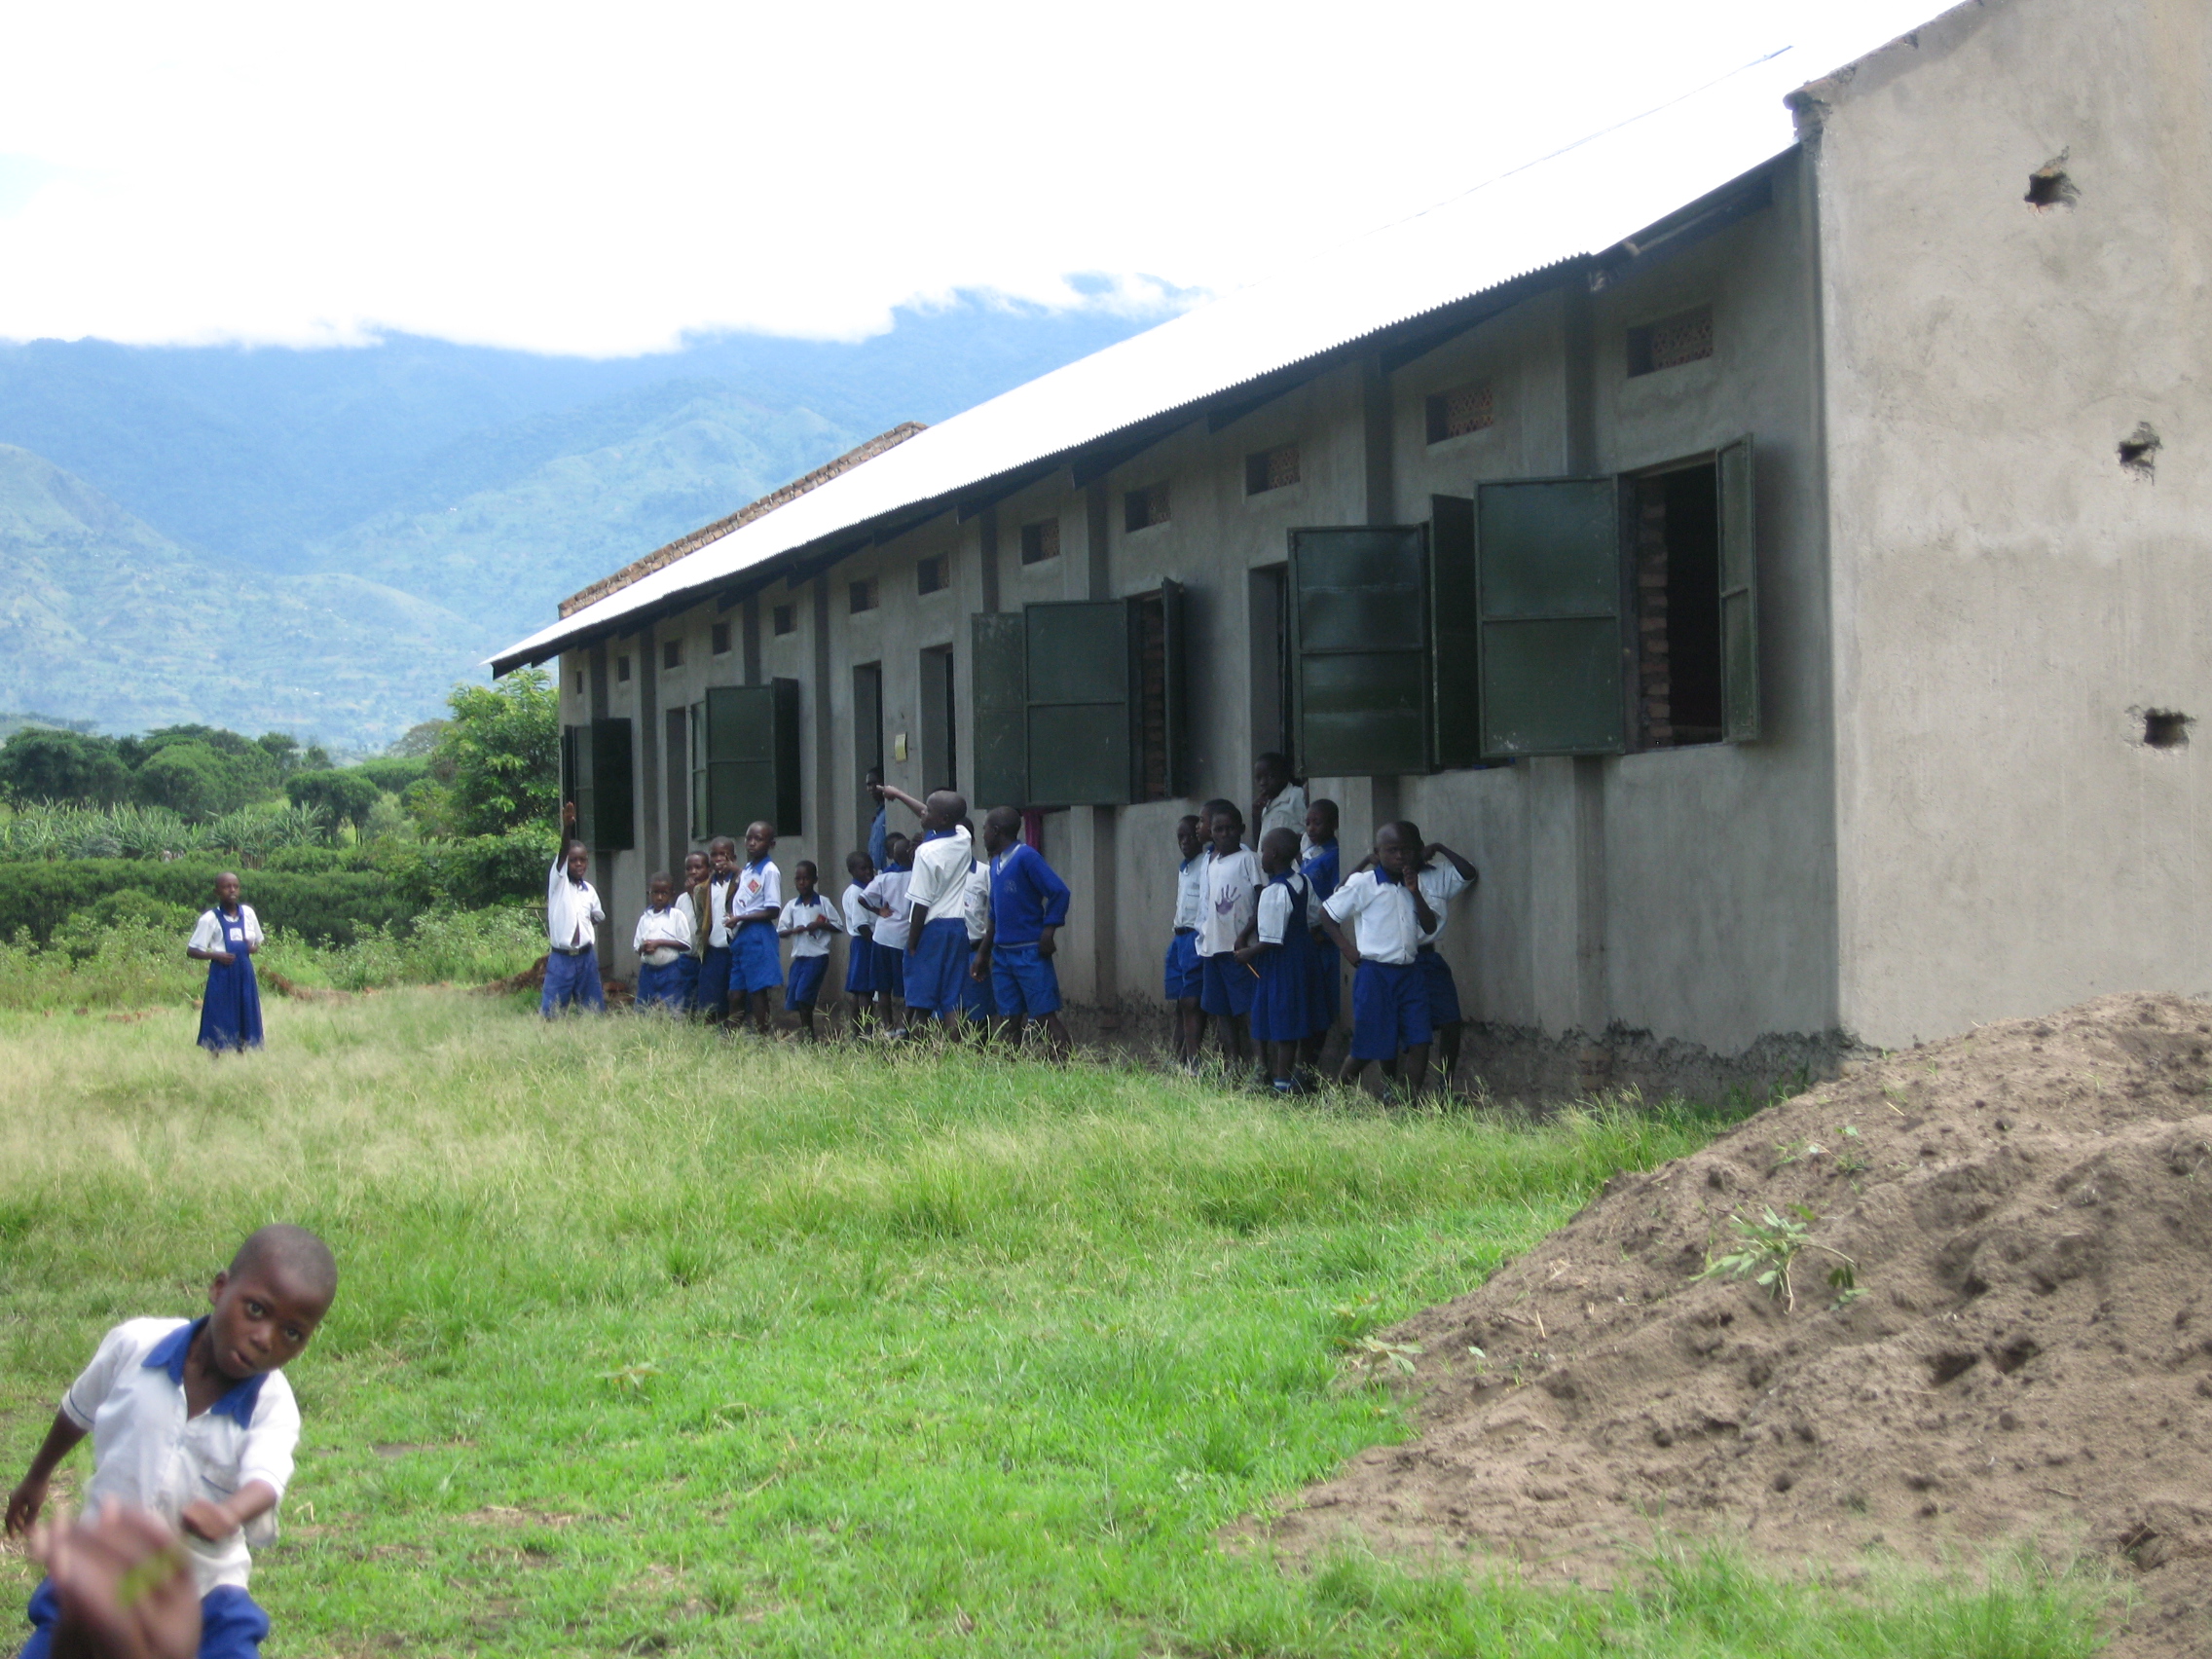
<point>663,944</point>
<point>1282,801</point>
<point>193,1420</point>
<point>755,900</point>
<point>573,915</point>
<point>859,934</point>
<point>937,922</point>
<point>1183,978</point>
<point>1389,999</point>
<point>886,900</point>
<point>716,958</point>
<point>1440,884</point>
<point>807,920</point>
<point>1231,890</point>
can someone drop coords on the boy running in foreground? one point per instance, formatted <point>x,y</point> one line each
<point>193,1420</point>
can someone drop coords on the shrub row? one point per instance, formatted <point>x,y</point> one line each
<point>331,906</point>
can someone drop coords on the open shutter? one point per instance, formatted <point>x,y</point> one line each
<point>1454,681</point>
<point>734,743</point>
<point>1081,661</point>
<point>1178,688</point>
<point>613,821</point>
<point>1359,652</point>
<point>785,813</point>
<point>1000,697</point>
<point>1548,603</point>
<point>1739,597</point>
<point>575,780</point>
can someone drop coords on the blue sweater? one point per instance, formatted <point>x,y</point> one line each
<point>1026,897</point>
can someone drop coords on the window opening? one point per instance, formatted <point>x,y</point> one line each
<point>718,638</point>
<point>1270,608</point>
<point>932,576</point>
<point>1040,541</point>
<point>1143,508</point>
<point>579,683</point>
<point>1462,410</point>
<point>868,734</point>
<point>672,653</point>
<point>784,618</point>
<point>1151,698</point>
<point>861,594</point>
<point>1671,341</point>
<point>622,670</point>
<point>676,772</point>
<point>1677,608</point>
<point>1270,469</point>
<point>940,759</point>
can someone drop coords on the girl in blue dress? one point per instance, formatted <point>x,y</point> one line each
<point>1279,944</point>
<point>226,939</point>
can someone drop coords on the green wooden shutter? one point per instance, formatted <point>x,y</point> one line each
<point>613,792</point>
<point>1739,597</point>
<point>1454,681</point>
<point>1081,676</point>
<point>575,781</point>
<point>784,812</point>
<point>1178,688</point>
<point>1359,651</point>
<point>699,813</point>
<point>1548,603</point>
<point>1001,699</point>
<point>733,759</point>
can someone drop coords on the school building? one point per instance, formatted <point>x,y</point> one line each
<point>1785,572</point>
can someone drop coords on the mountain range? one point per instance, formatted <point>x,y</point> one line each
<point>323,541</point>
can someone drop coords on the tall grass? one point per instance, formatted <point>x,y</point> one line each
<point>47,830</point>
<point>650,1340</point>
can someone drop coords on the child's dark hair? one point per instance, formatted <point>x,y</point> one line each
<point>1282,843</point>
<point>857,856</point>
<point>293,1251</point>
<point>1004,819</point>
<point>721,841</point>
<point>1326,807</point>
<point>807,865</point>
<point>1228,809</point>
<point>658,878</point>
<point>1277,763</point>
<point>570,849</point>
<point>1213,809</point>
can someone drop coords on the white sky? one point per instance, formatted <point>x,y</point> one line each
<point>604,180</point>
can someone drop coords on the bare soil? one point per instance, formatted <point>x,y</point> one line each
<point>2029,1358</point>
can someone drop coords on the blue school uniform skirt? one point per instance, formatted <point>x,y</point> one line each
<point>977,999</point>
<point>571,977</point>
<point>1181,976</point>
<point>667,986</point>
<point>938,965</point>
<point>1025,984</point>
<point>756,964</point>
<point>890,968</point>
<point>1443,990</point>
<point>803,989</point>
<point>860,966</point>
<point>1227,986</point>
<point>1282,999</point>
<point>712,990</point>
<point>230,1013</point>
<point>231,1625</point>
<point>1389,1010</point>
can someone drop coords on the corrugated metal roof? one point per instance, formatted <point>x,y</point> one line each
<point>1573,203</point>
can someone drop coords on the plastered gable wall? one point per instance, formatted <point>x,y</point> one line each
<point>2009,597</point>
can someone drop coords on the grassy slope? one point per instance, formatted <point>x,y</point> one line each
<point>648,1342</point>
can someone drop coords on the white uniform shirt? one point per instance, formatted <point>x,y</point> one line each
<point>1440,884</point>
<point>941,873</point>
<point>888,893</point>
<point>1274,911</point>
<point>1287,811</point>
<point>793,922</point>
<point>147,1452</point>
<point>975,901</point>
<point>1190,893</point>
<point>207,933</point>
<point>856,916</point>
<point>759,887</point>
<point>663,936</point>
<point>572,908</point>
<point>717,909</point>
<point>1231,886</point>
<point>684,908</point>
<point>1382,915</point>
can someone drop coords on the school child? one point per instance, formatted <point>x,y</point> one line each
<point>1440,884</point>
<point>859,934</point>
<point>1282,801</point>
<point>886,900</point>
<point>663,944</point>
<point>193,1422</point>
<point>225,937</point>
<point>979,1003</point>
<point>1389,998</point>
<point>1323,869</point>
<point>573,915</point>
<point>1182,977</point>
<point>1232,885</point>
<point>716,958</point>
<point>1029,906</point>
<point>755,900</point>
<point>807,920</point>
<point>1279,944</point>
<point>936,921</point>
<point>690,904</point>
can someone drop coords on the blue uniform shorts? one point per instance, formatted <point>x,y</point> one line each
<point>572,978</point>
<point>231,1625</point>
<point>1183,976</point>
<point>1389,1010</point>
<point>1443,990</point>
<point>890,968</point>
<point>712,993</point>
<point>803,989</point>
<point>1027,985</point>
<point>860,966</point>
<point>938,965</point>
<point>1228,987</point>
<point>976,1000</point>
<point>756,964</point>
<point>667,986</point>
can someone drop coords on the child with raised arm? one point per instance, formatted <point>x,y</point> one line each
<point>938,957</point>
<point>1389,999</point>
<point>225,937</point>
<point>663,944</point>
<point>1029,906</point>
<point>193,1422</point>
<point>1279,943</point>
<point>807,920</point>
<point>1231,888</point>
<point>573,915</point>
<point>1183,979</point>
<point>755,900</point>
<point>886,900</point>
<point>1281,804</point>
<point>1323,867</point>
<point>1440,884</point>
<point>715,955</point>
<point>860,939</point>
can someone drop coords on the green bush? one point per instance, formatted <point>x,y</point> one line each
<point>327,906</point>
<point>472,872</point>
<point>393,773</point>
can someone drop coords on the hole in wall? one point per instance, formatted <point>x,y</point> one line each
<point>2139,450</point>
<point>2166,728</point>
<point>2049,187</point>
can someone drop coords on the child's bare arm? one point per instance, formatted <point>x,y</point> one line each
<point>1465,867</point>
<point>198,956</point>
<point>1348,950</point>
<point>214,1521</point>
<point>28,1499</point>
<point>893,792</point>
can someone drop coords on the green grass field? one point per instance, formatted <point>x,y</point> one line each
<point>649,1342</point>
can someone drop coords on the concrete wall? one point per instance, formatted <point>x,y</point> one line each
<point>2008,599</point>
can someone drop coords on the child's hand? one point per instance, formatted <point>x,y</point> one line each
<point>1350,953</point>
<point>23,1505</point>
<point>223,956</point>
<point>208,1521</point>
<point>124,1588</point>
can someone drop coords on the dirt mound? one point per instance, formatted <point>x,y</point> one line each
<point>2028,1213</point>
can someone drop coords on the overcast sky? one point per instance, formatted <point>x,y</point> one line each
<point>606,180</point>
